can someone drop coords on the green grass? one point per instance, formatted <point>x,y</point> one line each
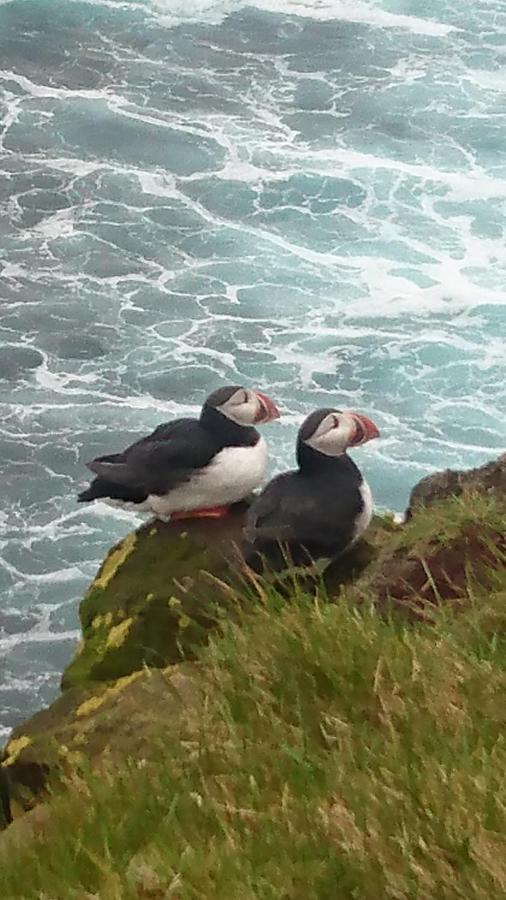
<point>340,756</point>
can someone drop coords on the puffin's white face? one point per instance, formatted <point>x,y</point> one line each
<point>340,430</point>
<point>246,407</point>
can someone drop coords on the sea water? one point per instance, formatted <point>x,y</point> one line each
<point>307,196</point>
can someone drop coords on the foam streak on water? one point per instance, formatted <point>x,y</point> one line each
<point>305,195</point>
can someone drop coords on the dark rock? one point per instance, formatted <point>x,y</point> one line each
<point>5,799</point>
<point>446,554</point>
<point>488,478</point>
<point>441,575</point>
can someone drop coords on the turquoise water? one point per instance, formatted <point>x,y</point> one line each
<point>303,195</point>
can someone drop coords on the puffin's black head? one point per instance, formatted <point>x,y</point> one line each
<point>330,432</point>
<point>242,405</point>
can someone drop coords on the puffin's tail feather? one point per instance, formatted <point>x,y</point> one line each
<point>96,490</point>
<point>111,471</point>
<point>108,463</point>
<point>100,488</point>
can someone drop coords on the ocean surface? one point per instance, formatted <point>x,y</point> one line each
<point>308,196</point>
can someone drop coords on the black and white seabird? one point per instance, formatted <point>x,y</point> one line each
<point>191,467</point>
<point>321,508</point>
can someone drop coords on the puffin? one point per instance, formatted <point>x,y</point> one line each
<point>191,468</point>
<point>319,509</point>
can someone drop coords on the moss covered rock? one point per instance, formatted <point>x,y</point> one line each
<point>86,729</point>
<point>162,589</point>
<point>153,600</point>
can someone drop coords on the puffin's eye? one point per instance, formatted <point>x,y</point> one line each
<point>239,398</point>
<point>336,421</point>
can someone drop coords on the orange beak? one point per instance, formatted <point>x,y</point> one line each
<point>267,410</point>
<point>365,429</point>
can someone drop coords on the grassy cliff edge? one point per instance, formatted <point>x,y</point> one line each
<point>315,749</point>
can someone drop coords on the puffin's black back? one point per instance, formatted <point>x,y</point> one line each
<point>310,511</point>
<point>168,456</point>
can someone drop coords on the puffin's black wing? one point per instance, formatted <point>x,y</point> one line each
<point>274,514</point>
<point>276,524</point>
<point>303,514</point>
<point>159,462</point>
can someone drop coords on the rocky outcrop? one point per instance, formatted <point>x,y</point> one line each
<point>163,589</point>
<point>156,597</point>
<point>99,727</point>
<point>445,554</point>
<point>490,478</point>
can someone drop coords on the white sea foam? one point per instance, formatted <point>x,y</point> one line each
<point>60,224</point>
<point>463,185</point>
<point>44,90</point>
<point>43,636</point>
<point>351,11</point>
<point>214,11</point>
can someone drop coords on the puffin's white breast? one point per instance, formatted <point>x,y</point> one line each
<point>233,474</point>
<point>364,518</point>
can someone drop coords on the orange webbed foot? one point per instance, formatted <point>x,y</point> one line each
<point>216,512</point>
